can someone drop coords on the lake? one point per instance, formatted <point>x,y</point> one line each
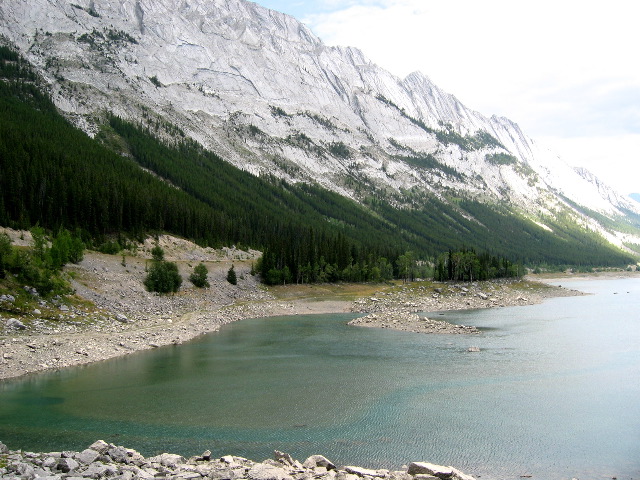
<point>554,392</point>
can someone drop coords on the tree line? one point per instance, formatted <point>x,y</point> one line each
<point>466,265</point>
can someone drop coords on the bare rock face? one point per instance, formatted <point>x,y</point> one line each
<point>245,81</point>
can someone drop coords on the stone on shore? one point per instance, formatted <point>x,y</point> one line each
<point>439,471</point>
<point>15,324</point>
<point>99,446</point>
<point>87,456</point>
<point>261,471</point>
<point>120,463</point>
<point>318,461</point>
<point>170,460</point>
<point>66,465</point>
<point>363,472</point>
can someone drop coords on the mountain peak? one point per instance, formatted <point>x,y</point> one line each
<point>260,89</point>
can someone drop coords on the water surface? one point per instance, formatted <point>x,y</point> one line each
<point>554,392</point>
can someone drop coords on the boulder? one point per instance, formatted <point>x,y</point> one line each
<point>284,458</point>
<point>118,454</point>
<point>187,476</point>
<point>261,471</point>
<point>98,470</point>
<point>439,471</point>
<point>473,349</point>
<point>170,460</point>
<point>223,474</point>
<point>458,475</point>
<point>318,461</point>
<point>87,456</point>
<point>15,323</point>
<point>66,465</point>
<point>362,472</point>
<point>100,446</point>
<point>25,470</point>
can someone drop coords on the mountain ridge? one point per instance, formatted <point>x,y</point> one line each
<point>260,89</point>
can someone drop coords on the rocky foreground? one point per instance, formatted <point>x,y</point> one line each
<point>103,460</point>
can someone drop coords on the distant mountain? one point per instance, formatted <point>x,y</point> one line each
<point>261,91</point>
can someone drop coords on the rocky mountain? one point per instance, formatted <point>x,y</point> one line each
<point>262,91</point>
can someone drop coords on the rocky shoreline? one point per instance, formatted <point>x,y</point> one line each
<point>412,322</point>
<point>104,460</point>
<point>115,316</point>
<point>398,309</point>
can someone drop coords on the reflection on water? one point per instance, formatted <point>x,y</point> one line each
<point>553,392</point>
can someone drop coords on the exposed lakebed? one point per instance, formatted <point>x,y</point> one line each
<point>553,392</point>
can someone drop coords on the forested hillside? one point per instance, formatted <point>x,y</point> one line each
<point>54,175</point>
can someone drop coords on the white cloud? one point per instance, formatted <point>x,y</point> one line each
<point>613,159</point>
<point>561,69</point>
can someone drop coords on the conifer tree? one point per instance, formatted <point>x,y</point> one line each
<point>231,276</point>
<point>199,276</point>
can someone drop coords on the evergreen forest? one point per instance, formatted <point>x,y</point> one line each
<point>54,176</point>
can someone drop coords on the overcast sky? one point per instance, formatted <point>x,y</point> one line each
<point>567,71</point>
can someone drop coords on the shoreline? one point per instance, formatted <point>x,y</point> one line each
<point>106,460</point>
<point>115,316</point>
<point>25,353</point>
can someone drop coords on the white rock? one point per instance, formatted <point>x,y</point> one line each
<point>362,472</point>
<point>318,461</point>
<point>430,469</point>
<point>261,471</point>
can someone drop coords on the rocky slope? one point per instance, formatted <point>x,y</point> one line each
<point>261,90</point>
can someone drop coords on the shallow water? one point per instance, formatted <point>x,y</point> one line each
<point>554,392</point>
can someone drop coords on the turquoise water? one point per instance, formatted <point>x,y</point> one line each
<point>554,392</point>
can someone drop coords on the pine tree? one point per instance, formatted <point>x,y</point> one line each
<point>199,276</point>
<point>5,253</point>
<point>163,277</point>
<point>231,276</point>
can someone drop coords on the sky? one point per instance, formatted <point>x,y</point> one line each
<point>567,71</point>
